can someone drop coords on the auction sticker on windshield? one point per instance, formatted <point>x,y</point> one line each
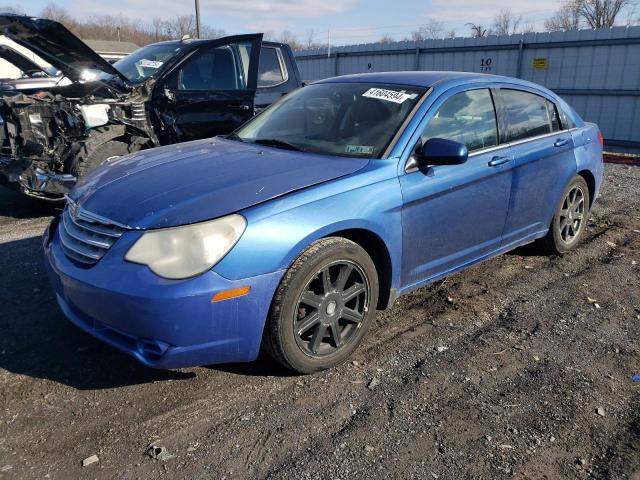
<point>150,63</point>
<point>359,149</point>
<point>389,95</point>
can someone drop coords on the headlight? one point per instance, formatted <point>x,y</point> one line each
<point>182,252</point>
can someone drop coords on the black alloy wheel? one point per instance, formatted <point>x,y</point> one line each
<point>323,307</point>
<point>331,308</point>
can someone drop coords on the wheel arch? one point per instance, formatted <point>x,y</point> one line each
<point>377,249</point>
<point>590,178</point>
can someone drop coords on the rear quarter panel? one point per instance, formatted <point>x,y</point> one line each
<point>588,153</point>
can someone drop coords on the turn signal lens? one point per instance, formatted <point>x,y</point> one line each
<point>600,138</point>
<point>233,293</point>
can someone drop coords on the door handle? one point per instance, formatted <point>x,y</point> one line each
<point>561,142</point>
<point>495,161</point>
<point>239,107</point>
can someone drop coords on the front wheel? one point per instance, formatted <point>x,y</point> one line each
<point>98,155</point>
<point>570,219</point>
<point>323,307</point>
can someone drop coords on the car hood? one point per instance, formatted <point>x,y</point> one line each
<point>55,44</point>
<point>197,181</point>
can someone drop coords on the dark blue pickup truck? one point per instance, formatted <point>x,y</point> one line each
<point>163,93</point>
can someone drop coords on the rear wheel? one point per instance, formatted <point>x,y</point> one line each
<point>323,306</point>
<point>570,219</point>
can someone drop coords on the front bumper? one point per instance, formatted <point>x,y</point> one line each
<point>35,181</point>
<point>162,323</point>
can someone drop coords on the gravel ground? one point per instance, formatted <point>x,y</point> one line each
<point>520,367</point>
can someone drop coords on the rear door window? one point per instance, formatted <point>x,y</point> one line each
<point>528,115</point>
<point>468,118</point>
<point>270,70</point>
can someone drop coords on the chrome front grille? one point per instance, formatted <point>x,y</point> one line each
<point>86,237</point>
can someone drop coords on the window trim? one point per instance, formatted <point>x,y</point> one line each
<point>411,166</point>
<point>283,68</point>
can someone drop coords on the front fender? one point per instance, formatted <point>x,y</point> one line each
<point>278,231</point>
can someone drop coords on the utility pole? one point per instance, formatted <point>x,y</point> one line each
<point>118,30</point>
<point>197,18</point>
<point>328,43</point>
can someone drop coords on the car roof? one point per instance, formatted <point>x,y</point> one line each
<point>199,41</point>
<point>426,79</point>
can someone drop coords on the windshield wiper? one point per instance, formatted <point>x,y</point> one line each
<point>274,142</point>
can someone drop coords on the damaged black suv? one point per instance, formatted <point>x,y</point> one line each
<point>163,93</point>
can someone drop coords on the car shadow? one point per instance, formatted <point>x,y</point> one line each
<point>37,341</point>
<point>528,250</point>
<point>14,204</point>
<point>263,366</point>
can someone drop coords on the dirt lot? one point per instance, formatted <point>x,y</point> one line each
<point>507,370</point>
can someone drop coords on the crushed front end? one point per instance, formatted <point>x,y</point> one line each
<point>35,148</point>
<point>44,135</point>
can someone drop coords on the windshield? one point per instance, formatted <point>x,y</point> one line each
<point>347,119</point>
<point>146,61</point>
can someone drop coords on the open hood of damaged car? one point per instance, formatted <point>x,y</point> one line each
<point>55,44</point>
<point>196,181</point>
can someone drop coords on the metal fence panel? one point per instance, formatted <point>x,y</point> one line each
<point>596,71</point>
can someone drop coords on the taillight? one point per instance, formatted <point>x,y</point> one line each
<point>600,138</point>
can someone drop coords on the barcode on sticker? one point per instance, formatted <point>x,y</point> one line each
<point>388,95</point>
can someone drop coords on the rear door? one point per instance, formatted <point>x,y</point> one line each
<point>211,92</point>
<point>455,214</point>
<point>274,78</point>
<point>544,161</point>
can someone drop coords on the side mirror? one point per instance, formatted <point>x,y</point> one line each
<point>439,151</point>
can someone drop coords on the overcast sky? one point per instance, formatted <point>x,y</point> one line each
<point>350,21</point>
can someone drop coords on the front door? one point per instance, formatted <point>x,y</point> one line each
<point>211,92</point>
<point>455,214</point>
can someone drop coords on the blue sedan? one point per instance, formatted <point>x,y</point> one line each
<point>290,233</point>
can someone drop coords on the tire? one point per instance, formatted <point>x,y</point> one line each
<point>97,155</point>
<point>570,219</point>
<point>314,325</point>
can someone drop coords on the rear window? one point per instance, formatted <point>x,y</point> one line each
<point>270,69</point>
<point>528,115</point>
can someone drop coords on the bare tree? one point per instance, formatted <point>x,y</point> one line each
<point>310,36</point>
<point>451,33</point>
<point>477,30</point>
<point>567,18</point>
<point>602,13</point>
<point>386,39</point>
<point>59,14</point>
<point>182,25</point>
<point>287,37</point>
<point>158,29</point>
<point>506,22</point>
<point>207,31</point>
<point>430,30</point>
<point>120,27</point>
